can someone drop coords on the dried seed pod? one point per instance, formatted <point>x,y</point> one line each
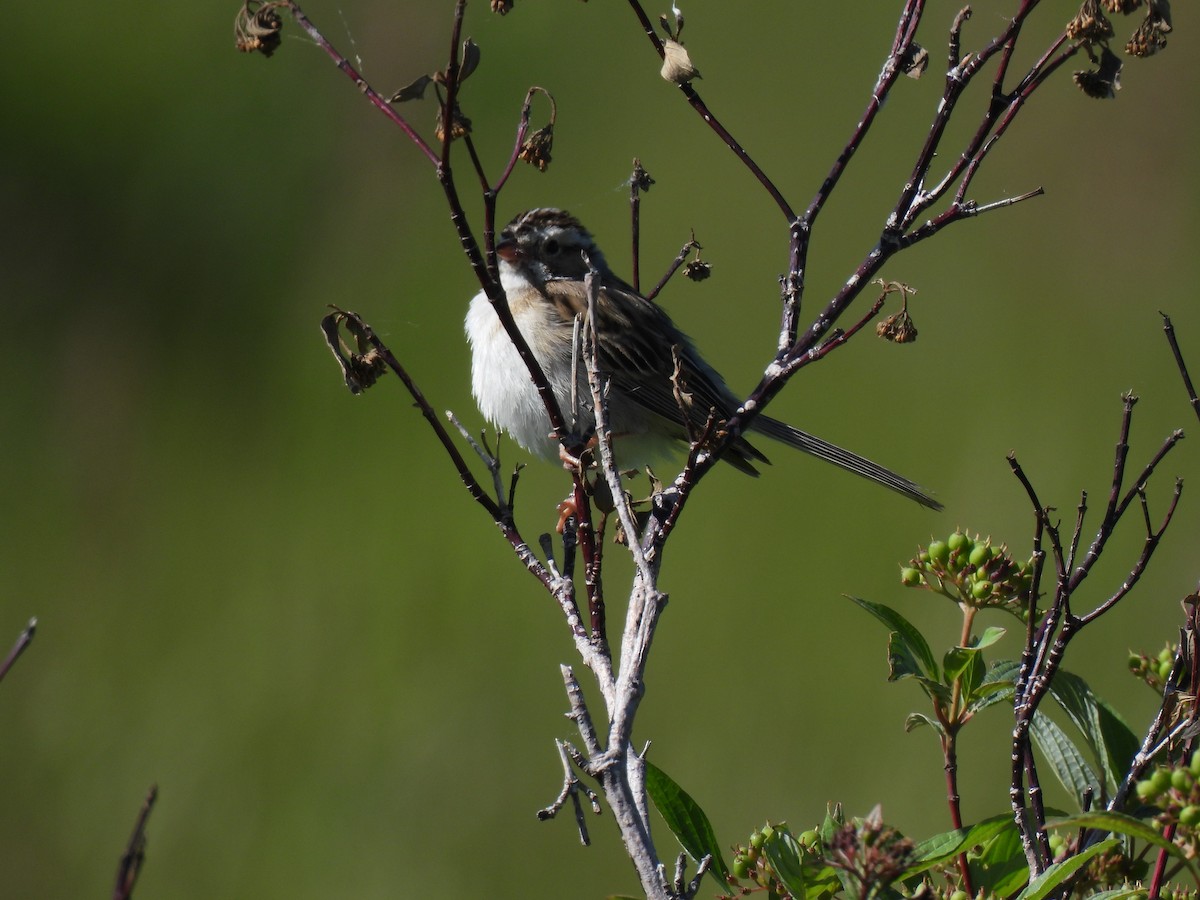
<point>677,66</point>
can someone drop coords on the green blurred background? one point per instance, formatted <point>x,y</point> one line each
<point>275,601</point>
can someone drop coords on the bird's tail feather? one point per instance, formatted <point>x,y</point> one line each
<point>844,459</point>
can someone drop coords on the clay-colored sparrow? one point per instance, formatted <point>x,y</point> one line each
<point>542,268</point>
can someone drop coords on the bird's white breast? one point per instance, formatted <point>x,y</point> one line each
<point>500,379</point>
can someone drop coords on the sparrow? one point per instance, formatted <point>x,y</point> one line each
<point>543,257</point>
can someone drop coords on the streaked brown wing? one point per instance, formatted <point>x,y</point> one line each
<point>636,338</point>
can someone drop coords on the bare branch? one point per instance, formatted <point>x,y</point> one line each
<point>135,850</point>
<point>24,639</point>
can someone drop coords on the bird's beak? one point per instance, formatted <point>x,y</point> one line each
<point>508,251</point>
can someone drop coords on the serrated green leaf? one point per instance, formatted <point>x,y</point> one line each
<point>1064,757</point>
<point>1057,873</point>
<point>686,820</point>
<point>893,621</point>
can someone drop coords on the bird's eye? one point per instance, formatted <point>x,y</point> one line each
<point>550,247</point>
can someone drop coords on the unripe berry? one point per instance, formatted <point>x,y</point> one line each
<point>958,541</point>
<point>939,552</point>
<point>1145,790</point>
<point>1190,816</point>
<point>910,577</point>
<point>1181,780</point>
<point>980,555</point>
<point>981,590</point>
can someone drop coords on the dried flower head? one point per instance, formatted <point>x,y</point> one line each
<point>1090,23</point>
<point>1103,82</point>
<point>460,125</point>
<point>677,65</point>
<point>1122,7</point>
<point>257,27</point>
<point>898,328</point>
<point>536,148</point>
<point>698,270</point>
<point>872,853</point>
<point>1151,35</point>
<point>502,6</point>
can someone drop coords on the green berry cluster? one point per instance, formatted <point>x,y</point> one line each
<point>1175,790</point>
<point>1154,670</point>
<point>972,572</point>
<point>750,862</point>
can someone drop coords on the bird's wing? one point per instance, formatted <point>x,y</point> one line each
<point>636,338</point>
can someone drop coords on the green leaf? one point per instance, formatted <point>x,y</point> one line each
<point>1120,823</point>
<point>787,860</point>
<point>1000,866</point>
<point>991,691</point>
<point>893,621</point>
<point>916,720</point>
<point>1068,763</point>
<point>1120,743</point>
<point>990,635</point>
<point>901,662</point>
<point>1121,893</point>
<point>1057,873</point>
<point>997,685</point>
<point>686,820</point>
<point>964,664</point>
<point>940,847</point>
<point>1111,741</point>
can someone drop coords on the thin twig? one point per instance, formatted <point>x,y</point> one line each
<point>135,851</point>
<point>24,639</point>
